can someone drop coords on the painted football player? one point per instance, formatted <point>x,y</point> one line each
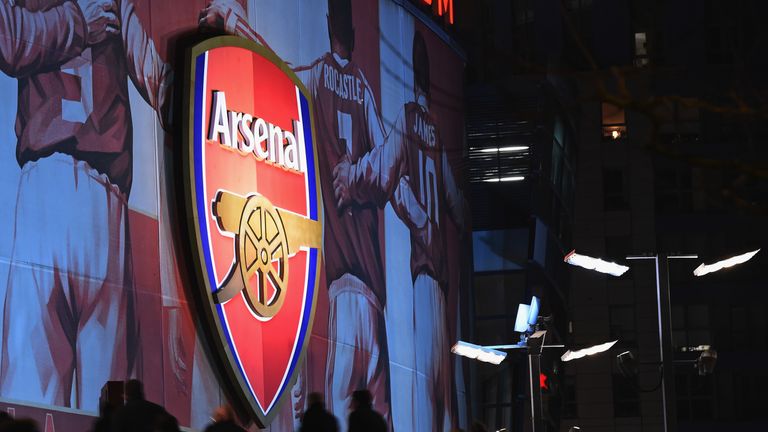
<point>348,126</point>
<point>414,153</point>
<point>69,319</point>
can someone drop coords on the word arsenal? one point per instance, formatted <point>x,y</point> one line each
<point>249,134</point>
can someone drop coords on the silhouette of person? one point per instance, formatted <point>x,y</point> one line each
<point>5,418</point>
<point>138,414</point>
<point>478,427</point>
<point>103,423</point>
<point>23,425</point>
<point>317,418</point>
<point>166,423</point>
<point>224,421</point>
<point>363,418</point>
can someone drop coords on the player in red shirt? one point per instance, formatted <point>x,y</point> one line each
<point>69,320</point>
<point>347,126</point>
<point>414,154</point>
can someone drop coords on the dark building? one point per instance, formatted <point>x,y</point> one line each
<point>521,140</point>
<point>666,104</point>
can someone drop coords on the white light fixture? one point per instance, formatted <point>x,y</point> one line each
<point>703,269</point>
<point>504,149</point>
<point>595,264</point>
<point>521,320</point>
<point>573,355</point>
<point>484,354</point>
<point>504,179</point>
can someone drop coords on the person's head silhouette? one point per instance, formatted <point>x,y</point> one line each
<point>134,390</point>
<point>361,399</point>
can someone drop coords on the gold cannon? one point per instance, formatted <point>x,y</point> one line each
<point>264,236</point>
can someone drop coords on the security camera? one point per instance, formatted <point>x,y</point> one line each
<point>627,364</point>
<point>706,362</point>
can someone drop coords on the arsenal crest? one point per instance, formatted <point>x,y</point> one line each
<point>254,212</point>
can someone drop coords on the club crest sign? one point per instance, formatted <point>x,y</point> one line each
<point>254,212</point>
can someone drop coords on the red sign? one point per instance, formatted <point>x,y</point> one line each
<point>254,196</point>
<point>441,7</point>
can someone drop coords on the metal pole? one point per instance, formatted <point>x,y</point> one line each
<point>663,306</point>
<point>665,343</point>
<point>534,369</point>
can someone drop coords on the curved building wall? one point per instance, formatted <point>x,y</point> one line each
<point>94,268</point>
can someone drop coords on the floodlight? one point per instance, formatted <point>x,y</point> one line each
<point>595,264</point>
<point>505,179</point>
<point>706,361</point>
<point>627,364</point>
<point>488,355</point>
<point>573,355</point>
<point>703,269</point>
<point>521,321</point>
<point>504,149</point>
<point>533,311</point>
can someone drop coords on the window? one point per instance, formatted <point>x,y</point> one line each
<point>618,247</point>
<point>641,49</point>
<point>570,405</point>
<point>679,120</point>
<point>739,328</point>
<point>614,198</point>
<point>694,395</point>
<point>557,164</point>
<point>575,5</point>
<point>562,173</point>
<point>719,45</point>
<point>614,124</point>
<point>497,390</point>
<point>690,326</point>
<point>674,191</point>
<point>626,398</point>
<point>623,325</point>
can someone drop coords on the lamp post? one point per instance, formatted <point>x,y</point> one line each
<point>491,354</point>
<point>534,344</point>
<point>664,310</point>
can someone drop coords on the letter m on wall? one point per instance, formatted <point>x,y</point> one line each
<point>444,6</point>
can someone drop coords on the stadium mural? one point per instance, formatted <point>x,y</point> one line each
<point>323,187</point>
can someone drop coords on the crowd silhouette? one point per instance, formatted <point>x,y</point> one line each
<point>133,413</point>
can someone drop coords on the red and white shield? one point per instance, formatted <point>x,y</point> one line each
<point>255,212</point>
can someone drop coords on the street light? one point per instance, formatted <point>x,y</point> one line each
<point>703,269</point>
<point>595,264</point>
<point>477,352</point>
<point>575,355</point>
<point>531,340</point>
<point>664,313</point>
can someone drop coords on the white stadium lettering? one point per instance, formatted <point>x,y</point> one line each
<point>424,130</point>
<point>255,136</point>
<point>345,86</point>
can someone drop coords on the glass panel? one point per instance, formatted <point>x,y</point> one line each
<point>698,316</point>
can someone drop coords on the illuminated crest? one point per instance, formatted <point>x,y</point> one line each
<point>254,212</point>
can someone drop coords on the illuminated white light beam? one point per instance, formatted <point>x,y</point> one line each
<point>703,269</point>
<point>505,179</point>
<point>573,355</point>
<point>488,355</point>
<point>504,149</point>
<point>595,264</point>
